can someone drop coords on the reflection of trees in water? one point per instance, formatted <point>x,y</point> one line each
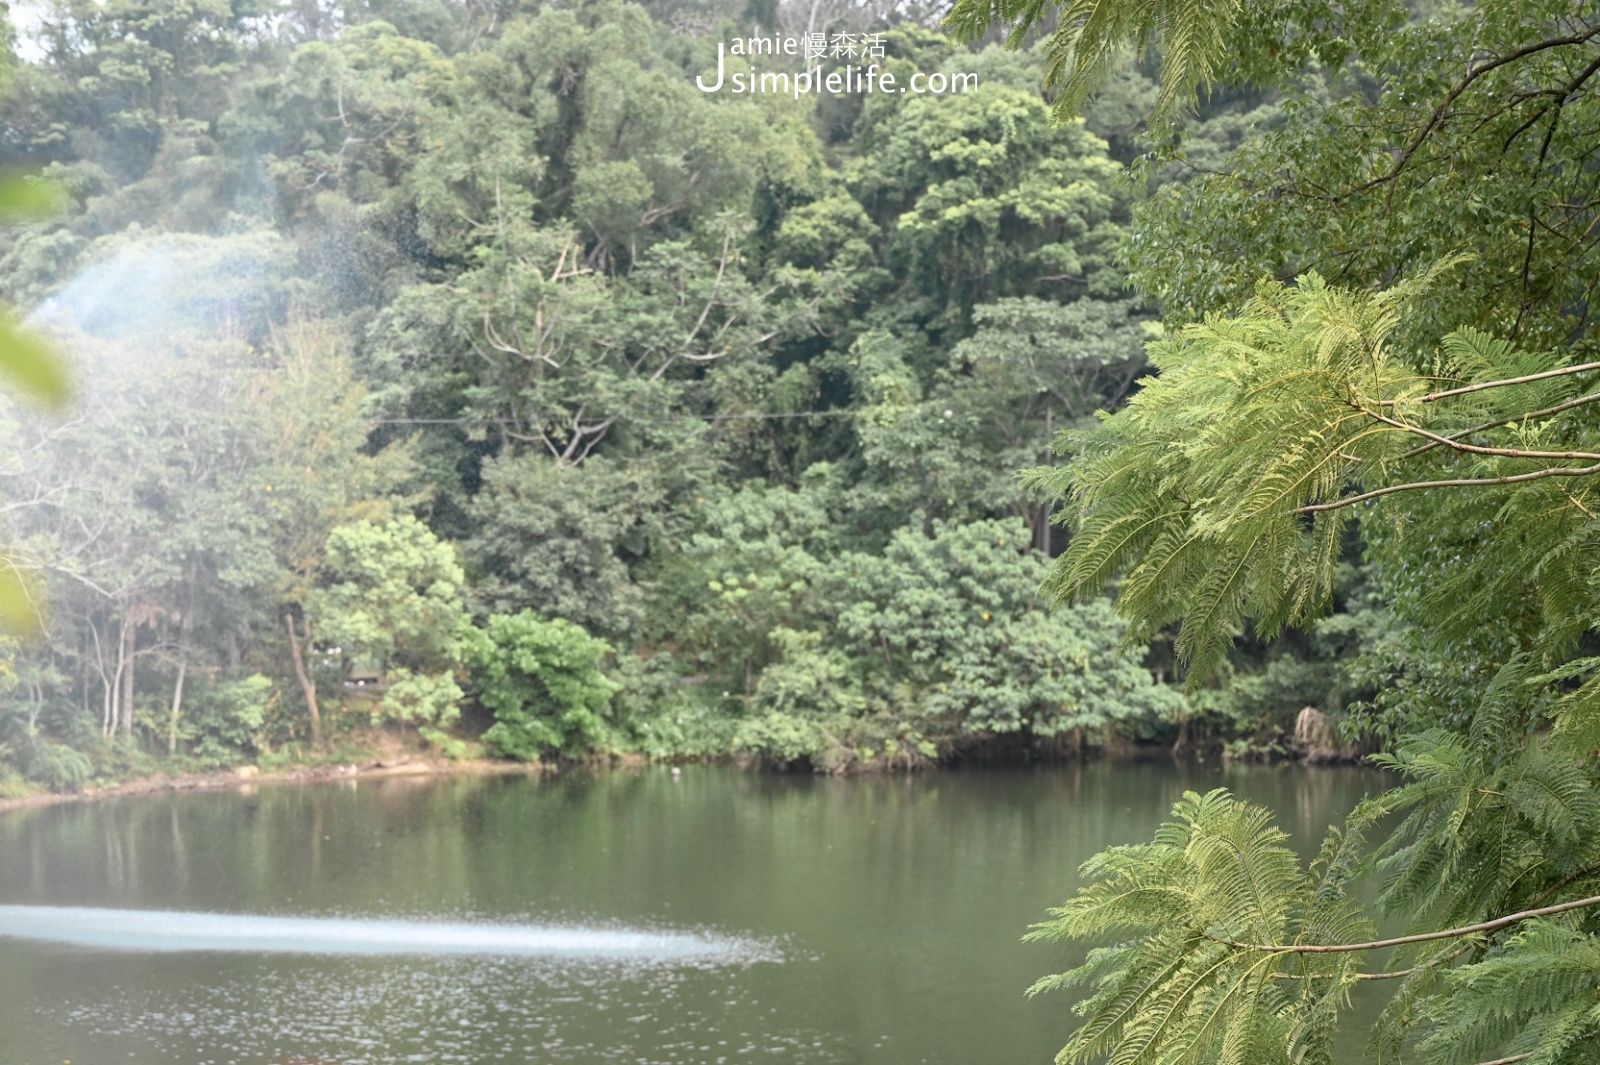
<point>122,852</point>
<point>1306,799</point>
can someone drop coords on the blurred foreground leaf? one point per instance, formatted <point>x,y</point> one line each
<point>20,608</point>
<point>30,364</point>
<point>23,197</point>
<point>33,367</point>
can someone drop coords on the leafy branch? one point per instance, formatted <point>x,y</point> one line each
<point>1274,423</point>
<point>1442,110</point>
<point>1525,416</point>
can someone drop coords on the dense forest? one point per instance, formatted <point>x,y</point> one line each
<point>467,370</point>
<point>474,373</point>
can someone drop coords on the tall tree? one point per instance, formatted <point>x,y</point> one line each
<point>317,474</point>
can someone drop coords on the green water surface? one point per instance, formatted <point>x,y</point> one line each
<point>881,916</point>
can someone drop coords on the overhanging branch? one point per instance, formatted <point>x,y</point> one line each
<point>1460,482</point>
<point>1559,408</point>
<point>1473,449</point>
<point>1423,937</point>
<point>1434,397</point>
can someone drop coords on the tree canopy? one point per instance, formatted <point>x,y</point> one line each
<point>407,327</point>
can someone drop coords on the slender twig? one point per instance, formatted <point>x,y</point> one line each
<point>1397,974</point>
<point>1423,937</point>
<point>1443,109</point>
<point>1593,870</point>
<point>1463,482</point>
<point>1581,401</point>
<point>1503,452</point>
<point>1434,397</point>
<point>1562,95</point>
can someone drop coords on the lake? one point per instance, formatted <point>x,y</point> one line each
<point>719,917</point>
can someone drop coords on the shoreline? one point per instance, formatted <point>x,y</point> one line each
<point>416,767</point>
<point>250,776</point>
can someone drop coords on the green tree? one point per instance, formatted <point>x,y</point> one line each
<point>392,592</point>
<point>317,473</point>
<point>756,563</point>
<point>662,363</point>
<point>561,539</point>
<point>985,199</point>
<point>140,513</point>
<point>1389,327</point>
<point>950,628</point>
<point>541,678</point>
<point>948,446</point>
<point>938,643</point>
<point>340,122</point>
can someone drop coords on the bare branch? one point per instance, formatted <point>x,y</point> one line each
<point>81,579</point>
<point>1424,937</point>
<point>1581,401</point>
<point>1456,445</point>
<point>1434,397</point>
<point>705,312</point>
<point>1465,482</point>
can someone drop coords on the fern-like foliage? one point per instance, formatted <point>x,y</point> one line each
<point>1219,497</point>
<point>1222,491</point>
<point>1265,40</point>
<point>1218,920</point>
<point>1091,36</point>
<point>1538,994</point>
<point>1458,419</point>
<point>1493,822</point>
<point>1489,819</point>
<point>1181,990</point>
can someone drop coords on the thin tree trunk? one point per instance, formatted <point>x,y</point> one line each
<point>107,722</point>
<point>177,708</point>
<point>1044,508</point>
<point>1182,741</point>
<point>126,668</point>
<point>306,684</point>
<point>115,687</point>
<point>183,667</point>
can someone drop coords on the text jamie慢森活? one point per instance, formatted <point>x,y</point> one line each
<point>856,71</point>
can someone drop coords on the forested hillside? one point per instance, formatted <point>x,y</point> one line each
<point>466,369</point>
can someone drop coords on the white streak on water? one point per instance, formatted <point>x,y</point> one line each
<point>165,931</point>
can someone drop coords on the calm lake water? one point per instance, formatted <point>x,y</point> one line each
<point>721,917</point>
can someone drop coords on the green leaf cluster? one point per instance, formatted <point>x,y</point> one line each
<point>1199,909</point>
<point>541,678</point>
